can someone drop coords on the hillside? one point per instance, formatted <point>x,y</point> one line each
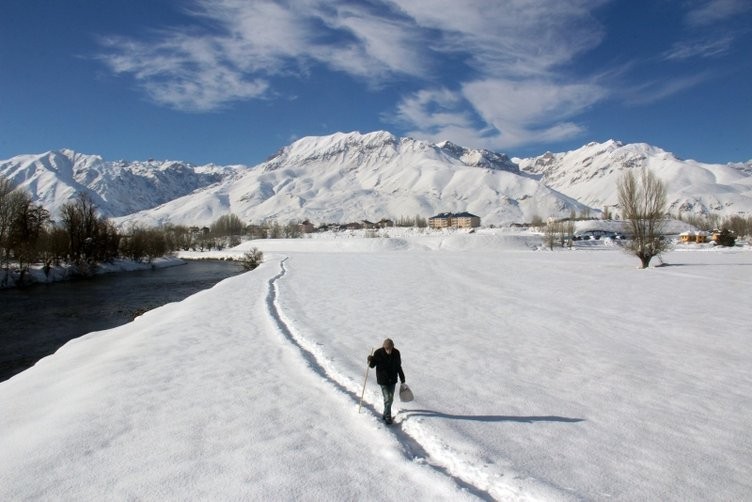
<point>590,175</point>
<point>117,188</point>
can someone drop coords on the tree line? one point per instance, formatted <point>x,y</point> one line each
<point>82,238</point>
<point>28,235</point>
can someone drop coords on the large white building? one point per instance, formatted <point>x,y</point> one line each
<point>454,220</point>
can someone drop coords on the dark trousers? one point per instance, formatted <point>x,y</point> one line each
<point>388,392</point>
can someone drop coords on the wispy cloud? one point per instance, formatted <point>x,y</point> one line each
<point>511,92</point>
<point>381,45</point>
<point>434,109</point>
<point>505,113</point>
<point>509,36</point>
<point>531,111</point>
<point>200,69</point>
<point>186,74</point>
<point>517,95</point>
<point>707,48</point>
<point>656,90</point>
<point>710,12</point>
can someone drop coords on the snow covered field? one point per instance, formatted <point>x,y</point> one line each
<point>538,375</point>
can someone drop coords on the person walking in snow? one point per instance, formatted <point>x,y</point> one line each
<point>388,364</point>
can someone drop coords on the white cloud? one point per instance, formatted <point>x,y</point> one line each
<point>510,112</point>
<point>381,46</point>
<point>432,109</point>
<point>710,12</point>
<point>699,48</point>
<point>516,49</point>
<point>708,39</point>
<point>249,42</point>
<point>506,37</point>
<point>530,101</point>
<point>510,94</point>
<point>186,74</point>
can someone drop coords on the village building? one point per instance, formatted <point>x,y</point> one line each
<point>454,220</point>
<point>699,237</point>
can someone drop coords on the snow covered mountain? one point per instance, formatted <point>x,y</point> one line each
<point>118,188</point>
<point>590,175</point>
<point>350,177</point>
<point>347,177</point>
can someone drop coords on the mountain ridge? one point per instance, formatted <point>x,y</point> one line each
<point>590,174</point>
<point>351,176</point>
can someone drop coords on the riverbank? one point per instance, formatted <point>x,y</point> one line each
<point>37,275</point>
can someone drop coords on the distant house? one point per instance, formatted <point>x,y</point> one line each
<point>307,227</point>
<point>698,237</point>
<point>384,223</point>
<point>454,220</point>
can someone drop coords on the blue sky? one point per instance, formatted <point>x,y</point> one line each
<point>232,81</point>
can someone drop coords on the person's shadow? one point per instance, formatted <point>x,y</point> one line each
<point>487,418</point>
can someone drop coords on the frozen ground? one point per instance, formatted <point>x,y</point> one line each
<point>538,376</point>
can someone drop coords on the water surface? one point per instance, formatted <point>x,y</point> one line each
<point>37,320</point>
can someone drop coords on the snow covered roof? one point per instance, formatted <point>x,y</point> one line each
<point>463,214</point>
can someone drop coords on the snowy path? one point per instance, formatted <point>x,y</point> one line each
<point>419,444</point>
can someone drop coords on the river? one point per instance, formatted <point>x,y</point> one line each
<point>37,320</point>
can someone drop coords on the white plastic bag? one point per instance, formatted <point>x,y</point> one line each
<point>405,394</point>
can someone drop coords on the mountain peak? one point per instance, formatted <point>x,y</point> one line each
<point>478,157</point>
<point>343,140</point>
<point>332,146</point>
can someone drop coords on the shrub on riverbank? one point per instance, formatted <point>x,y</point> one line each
<point>252,259</point>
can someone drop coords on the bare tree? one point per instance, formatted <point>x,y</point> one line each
<point>550,232</point>
<point>9,201</point>
<point>643,203</point>
<point>739,225</point>
<point>92,238</point>
<point>22,224</point>
<point>226,225</point>
<point>26,230</point>
<point>568,234</point>
<point>292,230</point>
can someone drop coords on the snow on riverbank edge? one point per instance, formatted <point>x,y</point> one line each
<point>37,275</point>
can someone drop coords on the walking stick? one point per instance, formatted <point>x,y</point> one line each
<point>365,379</point>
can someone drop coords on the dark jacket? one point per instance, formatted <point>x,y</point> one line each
<point>388,366</point>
